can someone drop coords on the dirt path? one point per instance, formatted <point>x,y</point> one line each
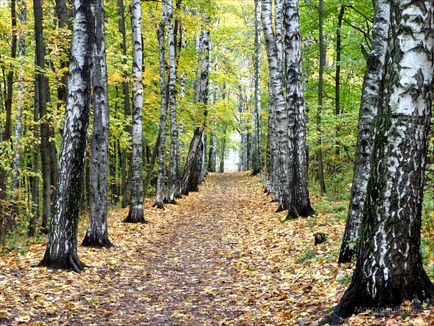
<point>220,257</point>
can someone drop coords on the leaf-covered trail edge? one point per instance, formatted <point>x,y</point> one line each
<point>220,257</point>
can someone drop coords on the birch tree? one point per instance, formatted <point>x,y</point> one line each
<point>322,63</point>
<point>161,33</point>
<point>371,100</point>
<point>257,140</point>
<point>173,176</point>
<point>193,169</point>
<point>300,202</point>
<point>20,97</point>
<point>136,214</point>
<point>389,266</point>
<point>242,128</point>
<point>278,124</point>
<point>97,231</point>
<point>48,174</point>
<point>126,158</point>
<point>61,251</point>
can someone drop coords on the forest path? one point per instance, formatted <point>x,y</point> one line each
<point>219,257</point>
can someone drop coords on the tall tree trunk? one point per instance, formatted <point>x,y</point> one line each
<point>161,33</point>
<point>212,157</point>
<point>61,251</point>
<point>281,162</point>
<point>338,71</point>
<point>45,133</point>
<point>97,231</point>
<point>125,158</point>
<point>372,95</point>
<point>34,217</point>
<point>389,266</point>
<point>193,169</point>
<point>322,62</point>
<point>20,98</point>
<point>174,181</point>
<point>223,151</point>
<point>257,140</point>
<point>243,129</point>
<point>300,202</point>
<point>136,214</point>
<point>6,216</point>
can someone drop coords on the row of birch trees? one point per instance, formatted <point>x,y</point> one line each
<point>383,230</point>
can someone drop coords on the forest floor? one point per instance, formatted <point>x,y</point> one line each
<point>220,257</point>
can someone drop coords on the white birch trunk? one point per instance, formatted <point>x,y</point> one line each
<point>300,202</point>
<point>174,190</point>
<point>61,251</point>
<point>161,33</point>
<point>97,231</point>
<point>389,267</point>
<point>136,214</point>
<point>16,160</point>
<point>370,102</point>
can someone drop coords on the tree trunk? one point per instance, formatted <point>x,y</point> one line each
<point>45,133</point>
<point>370,102</point>
<point>322,62</point>
<point>125,158</point>
<point>243,129</point>
<point>20,99</point>
<point>161,33</point>
<point>212,157</point>
<point>193,169</point>
<point>281,162</point>
<point>6,215</point>
<point>338,72</point>
<point>223,151</point>
<point>174,181</point>
<point>136,214</point>
<point>97,231</point>
<point>300,202</point>
<point>190,180</point>
<point>389,267</point>
<point>257,141</point>
<point>36,168</point>
<point>61,251</point>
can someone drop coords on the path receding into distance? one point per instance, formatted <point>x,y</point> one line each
<point>219,257</point>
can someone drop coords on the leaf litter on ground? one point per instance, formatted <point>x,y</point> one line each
<point>222,256</point>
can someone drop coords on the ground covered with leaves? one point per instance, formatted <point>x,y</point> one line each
<point>219,257</point>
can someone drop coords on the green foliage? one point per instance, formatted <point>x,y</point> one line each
<point>306,257</point>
